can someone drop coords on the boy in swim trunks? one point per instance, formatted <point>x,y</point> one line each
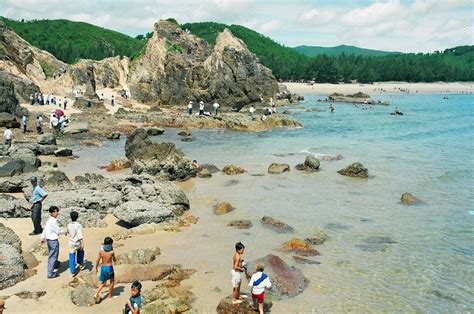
<point>107,256</point>
<point>238,266</point>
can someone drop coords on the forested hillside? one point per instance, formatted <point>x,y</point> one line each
<point>312,51</point>
<point>68,40</point>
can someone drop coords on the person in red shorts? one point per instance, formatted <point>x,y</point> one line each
<point>259,282</point>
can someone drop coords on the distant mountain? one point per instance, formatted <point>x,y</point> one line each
<point>312,51</point>
<point>69,41</point>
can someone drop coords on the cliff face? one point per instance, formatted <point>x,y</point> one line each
<point>174,68</point>
<point>177,67</point>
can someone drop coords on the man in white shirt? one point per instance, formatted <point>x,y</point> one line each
<point>51,233</point>
<point>201,108</point>
<point>216,107</point>
<point>190,108</point>
<point>8,137</point>
<point>251,112</point>
<point>259,281</point>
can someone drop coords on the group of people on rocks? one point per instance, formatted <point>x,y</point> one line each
<point>50,234</point>
<point>48,99</point>
<point>215,107</point>
<point>38,124</point>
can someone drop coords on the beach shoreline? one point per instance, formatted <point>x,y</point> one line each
<point>376,88</point>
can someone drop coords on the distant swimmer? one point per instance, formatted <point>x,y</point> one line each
<point>331,108</point>
<point>397,112</point>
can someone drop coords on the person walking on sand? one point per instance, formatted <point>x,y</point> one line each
<point>76,244</point>
<point>190,108</point>
<point>201,108</point>
<point>107,256</point>
<point>39,124</point>
<point>8,137</point>
<point>51,235</point>
<point>238,266</point>
<point>112,101</point>
<point>251,112</point>
<point>65,103</point>
<point>37,204</point>
<point>216,107</point>
<point>24,120</point>
<point>259,282</point>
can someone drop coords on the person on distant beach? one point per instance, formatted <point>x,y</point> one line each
<point>112,101</point>
<point>60,102</point>
<point>216,107</point>
<point>107,256</point>
<point>201,108</point>
<point>7,137</point>
<point>251,112</point>
<point>190,107</point>
<point>195,164</point>
<point>259,282</point>
<point>24,120</point>
<point>331,108</point>
<point>135,302</point>
<point>39,124</point>
<point>37,204</point>
<point>238,266</point>
<point>65,103</point>
<point>51,235</point>
<point>76,244</point>
<point>274,109</point>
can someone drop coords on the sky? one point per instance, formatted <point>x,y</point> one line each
<point>391,25</point>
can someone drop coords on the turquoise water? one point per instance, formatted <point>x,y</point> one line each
<point>427,151</point>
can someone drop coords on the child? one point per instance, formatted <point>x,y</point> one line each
<point>134,304</point>
<point>238,266</point>
<point>259,282</point>
<point>76,244</point>
<point>107,256</point>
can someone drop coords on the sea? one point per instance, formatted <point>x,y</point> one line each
<point>380,255</point>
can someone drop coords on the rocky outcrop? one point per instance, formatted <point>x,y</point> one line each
<point>223,208</point>
<point>140,256</point>
<point>409,199</point>
<point>232,169</point>
<point>286,280</point>
<point>311,164</point>
<point>47,139</point>
<point>12,263</point>
<point>246,307</point>
<point>8,100</point>
<point>204,173</point>
<point>276,225</point>
<point>176,67</point>
<point>358,98</point>
<point>210,167</point>
<point>276,168</point>
<point>299,247</point>
<point>355,170</point>
<point>319,238</point>
<point>159,159</point>
<point>11,207</point>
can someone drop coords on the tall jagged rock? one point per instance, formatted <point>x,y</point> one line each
<point>176,67</point>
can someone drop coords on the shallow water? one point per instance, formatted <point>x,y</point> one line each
<point>427,152</point>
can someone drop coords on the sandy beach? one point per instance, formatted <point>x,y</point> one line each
<point>387,87</point>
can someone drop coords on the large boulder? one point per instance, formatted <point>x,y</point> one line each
<point>12,266</point>
<point>286,280</point>
<point>223,208</point>
<point>26,154</point>
<point>47,139</point>
<point>9,237</point>
<point>212,168</point>
<point>355,170</point>
<point>63,152</point>
<point>11,207</point>
<point>7,119</point>
<point>276,225</point>
<point>139,256</point>
<point>311,164</point>
<point>299,247</point>
<point>76,127</point>
<point>8,100</point>
<point>409,199</point>
<point>232,169</point>
<point>276,168</point>
<point>140,212</point>
<point>159,159</point>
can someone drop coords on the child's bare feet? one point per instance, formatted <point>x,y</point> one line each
<point>243,297</point>
<point>96,298</point>
<point>236,301</point>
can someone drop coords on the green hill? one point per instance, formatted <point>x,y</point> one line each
<point>68,40</point>
<point>285,62</point>
<point>312,51</point>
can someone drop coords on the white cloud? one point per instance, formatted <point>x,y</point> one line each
<point>316,17</point>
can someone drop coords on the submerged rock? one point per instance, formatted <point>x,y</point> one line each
<point>311,164</point>
<point>276,225</point>
<point>276,168</point>
<point>302,260</point>
<point>246,307</point>
<point>376,244</point>
<point>409,199</point>
<point>355,170</point>
<point>204,173</point>
<point>232,169</point>
<point>223,208</point>
<point>299,247</point>
<point>317,239</point>
<point>240,224</point>
<point>212,168</point>
<point>186,133</point>
<point>286,280</point>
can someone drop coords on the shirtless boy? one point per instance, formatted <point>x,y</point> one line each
<point>238,266</point>
<point>107,256</point>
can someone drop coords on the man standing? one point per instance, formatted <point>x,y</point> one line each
<point>24,121</point>
<point>8,137</point>
<point>51,235</point>
<point>201,108</point>
<point>190,107</point>
<point>216,107</point>
<point>38,197</point>
<point>251,112</point>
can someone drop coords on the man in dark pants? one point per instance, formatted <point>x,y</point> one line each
<point>37,200</point>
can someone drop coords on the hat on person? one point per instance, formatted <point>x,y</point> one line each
<point>33,178</point>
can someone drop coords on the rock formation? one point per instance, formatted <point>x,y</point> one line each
<point>311,164</point>
<point>355,170</point>
<point>276,168</point>
<point>276,225</point>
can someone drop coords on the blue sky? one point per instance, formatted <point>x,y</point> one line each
<point>395,25</point>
